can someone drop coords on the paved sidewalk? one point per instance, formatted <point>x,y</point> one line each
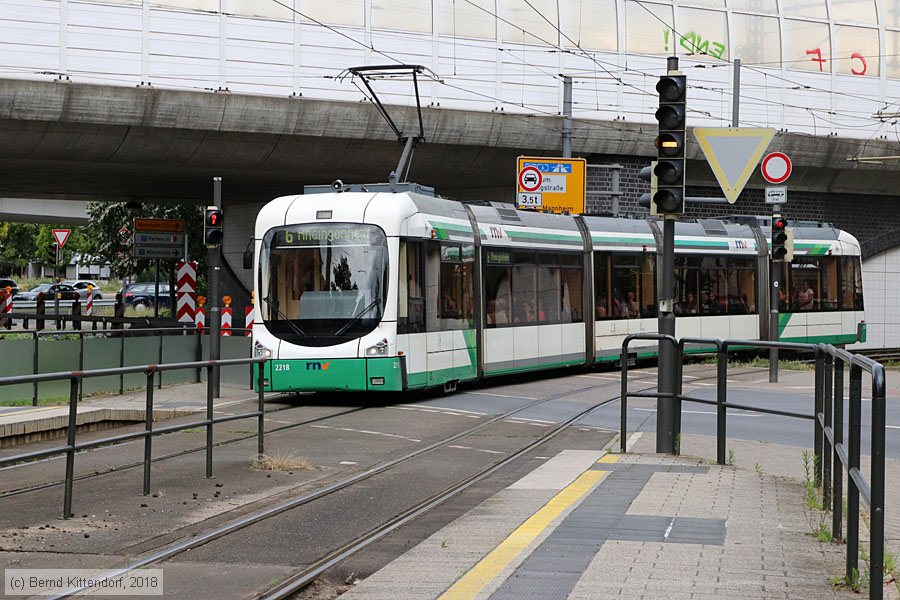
<point>588,526</point>
<point>20,424</point>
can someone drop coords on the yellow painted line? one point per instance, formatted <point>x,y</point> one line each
<point>609,458</point>
<point>468,587</point>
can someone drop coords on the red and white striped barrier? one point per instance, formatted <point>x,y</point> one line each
<point>226,316</point>
<point>89,306</point>
<point>200,314</point>
<point>7,307</point>
<point>186,294</point>
<point>250,315</point>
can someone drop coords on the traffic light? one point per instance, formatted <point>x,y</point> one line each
<point>648,175</point>
<point>669,169</point>
<point>212,226</point>
<point>782,240</point>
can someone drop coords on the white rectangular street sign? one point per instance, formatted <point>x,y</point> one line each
<point>530,200</point>
<point>146,238</point>
<point>776,195</point>
<point>157,252</point>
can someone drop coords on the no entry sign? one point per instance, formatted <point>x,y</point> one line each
<point>776,167</point>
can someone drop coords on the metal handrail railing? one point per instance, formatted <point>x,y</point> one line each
<point>72,447</point>
<point>828,429</point>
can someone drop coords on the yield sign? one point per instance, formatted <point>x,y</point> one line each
<point>732,154</point>
<point>61,235</point>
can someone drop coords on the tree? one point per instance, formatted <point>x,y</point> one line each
<point>17,244</point>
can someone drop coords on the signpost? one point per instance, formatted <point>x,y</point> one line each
<point>732,154</point>
<point>61,236</point>
<point>551,184</point>
<point>158,239</point>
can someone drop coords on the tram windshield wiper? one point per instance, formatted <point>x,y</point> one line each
<point>358,316</point>
<point>284,317</point>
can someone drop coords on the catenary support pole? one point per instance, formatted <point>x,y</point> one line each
<point>736,94</point>
<point>215,297</point>
<point>567,117</point>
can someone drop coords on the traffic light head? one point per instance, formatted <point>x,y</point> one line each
<point>669,170</point>
<point>780,239</point>
<point>212,226</point>
<point>648,174</point>
<point>672,88</point>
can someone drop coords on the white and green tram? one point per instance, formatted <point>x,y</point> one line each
<point>392,289</point>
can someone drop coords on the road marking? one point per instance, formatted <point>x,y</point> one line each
<point>476,449</point>
<point>437,412</point>
<point>799,387</point>
<point>607,377</point>
<point>669,529</point>
<point>531,420</point>
<point>471,584</point>
<point>500,395</point>
<point>350,429</point>
<point>347,462</point>
<point>703,412</point>
<point>471,412</point>
<point>893,426</point>
<point>527,422</point>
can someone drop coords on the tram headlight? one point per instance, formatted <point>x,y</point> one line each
<point>379,349</point>
<point>260,350</point>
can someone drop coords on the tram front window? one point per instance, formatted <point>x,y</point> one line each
<point>323,285</point>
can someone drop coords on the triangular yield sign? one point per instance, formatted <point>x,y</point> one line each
<point>732,154</point>
<point>61,235</point>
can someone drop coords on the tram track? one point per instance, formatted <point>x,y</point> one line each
<point>295,582</point>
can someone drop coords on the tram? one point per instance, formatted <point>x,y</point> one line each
<point>391,288</point>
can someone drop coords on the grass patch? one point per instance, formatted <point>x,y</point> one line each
<point>281,461</point>
<point>59,401</point>
<point>763,363</point>
<point>730,460</point>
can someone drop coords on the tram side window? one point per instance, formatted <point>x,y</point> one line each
<point>687,289</point>
<point>524,288</point>
<point>412,300</point>
<point>601,286</point>
<point>626,275</point>
<point>432,287</point>
<point>805,284</point>
<point>713,286</point>
<point>548,292</point>
<point>741,286</point>
<point>851,284</point>
<point>829,274</point>
<point>455,301</point>
<point>497,287</point>
<point>571,277</point>
<point>648,285</point>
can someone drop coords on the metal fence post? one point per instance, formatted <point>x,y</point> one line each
<point>261,448</point>
<point>148,429</point>
<point>828,450</point>
<point>721,398</point>
<point>121,361</point>
<point>70,446</point>
<point>817,425</point>
<point>876,482</point>
<point>160,361</point>
<point>623,416</point>
<point>209,416</point>
<point>837,496</point>
<point>853,460</point>
<point>198,353</point>
<point>36,366</point>
<point>81,365</point>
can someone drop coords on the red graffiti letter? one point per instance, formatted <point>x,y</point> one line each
<point>818,53</point>
<point>862,59</point>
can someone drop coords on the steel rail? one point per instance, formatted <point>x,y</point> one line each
<point>298,581</point>
<point>203,538</point>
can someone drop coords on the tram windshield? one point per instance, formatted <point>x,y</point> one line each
<point>323,284</point>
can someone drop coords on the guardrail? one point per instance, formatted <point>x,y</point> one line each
<point>829,447</point>
<point>121,334</point>
<point>72,447</point>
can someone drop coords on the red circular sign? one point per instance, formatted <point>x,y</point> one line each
<point>776,167</point>
<point>530,179</point>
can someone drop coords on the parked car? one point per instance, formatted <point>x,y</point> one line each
<point>82,284</point>
<point>140,295</point>
<point>67,292</point>
<point>9,283</point>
